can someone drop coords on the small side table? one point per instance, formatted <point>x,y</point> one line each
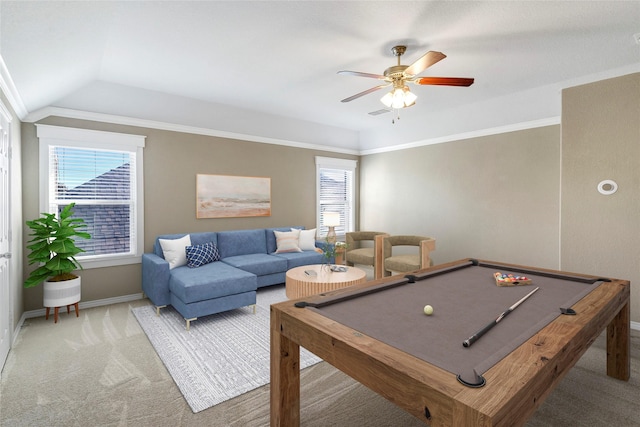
<point>300,284</point>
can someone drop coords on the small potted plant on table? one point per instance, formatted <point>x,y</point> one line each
<point>331,251</point>
<point>53,246</point>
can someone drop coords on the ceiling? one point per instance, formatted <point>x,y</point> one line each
<point>268,69</point>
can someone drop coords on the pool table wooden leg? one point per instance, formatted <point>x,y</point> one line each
<point>285,378</point>
<point>618,345</point>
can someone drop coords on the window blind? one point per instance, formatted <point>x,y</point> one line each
<point>102,185</point>
<point>335,195</point>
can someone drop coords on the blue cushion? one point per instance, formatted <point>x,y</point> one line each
<point>258,264</point>
<point>296,259</point>
<point>212,280</point>
<point>214,305</point>
<point>198,255</point>
<point>241,242</point>
<point>204,237</point>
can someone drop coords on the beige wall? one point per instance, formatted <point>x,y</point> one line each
<point>527,197</point>
<point>494,197</point>
<point>171,162</point>
<point>601,140</point>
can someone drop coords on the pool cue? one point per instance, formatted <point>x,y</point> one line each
<point>473,338</point>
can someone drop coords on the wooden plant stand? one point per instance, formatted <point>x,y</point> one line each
<point>55,312</point>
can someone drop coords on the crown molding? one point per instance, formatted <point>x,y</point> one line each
<point>10,91</point>
<point>132,121</point>
<point>468,135</point>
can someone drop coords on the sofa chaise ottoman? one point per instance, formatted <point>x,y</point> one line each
<point>225,268</point>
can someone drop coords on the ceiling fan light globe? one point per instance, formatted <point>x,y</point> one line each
<point>398,99</point>
<point>387,100</point>
<point>409,98</point>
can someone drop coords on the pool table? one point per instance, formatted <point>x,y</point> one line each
<point>378,334</point>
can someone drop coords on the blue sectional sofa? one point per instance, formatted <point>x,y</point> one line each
<point>245,260</point>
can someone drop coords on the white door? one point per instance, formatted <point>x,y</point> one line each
<point>5,244</point>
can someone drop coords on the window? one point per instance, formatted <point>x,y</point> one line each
<point>335,192</point>
<point>101,172</point>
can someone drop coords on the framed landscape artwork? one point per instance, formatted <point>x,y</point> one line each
<point>223,196</point>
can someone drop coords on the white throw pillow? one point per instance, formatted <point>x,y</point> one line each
<point>174,250</point>
<point>307,240</point>
<point>287,241</point>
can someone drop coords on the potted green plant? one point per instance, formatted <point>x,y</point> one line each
<point>52,245</point>
<point>330,250</point>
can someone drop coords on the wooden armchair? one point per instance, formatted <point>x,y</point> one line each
<point>404,263</point>
<point>359,253</point>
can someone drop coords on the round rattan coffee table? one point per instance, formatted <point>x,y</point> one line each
<point>301,281</point>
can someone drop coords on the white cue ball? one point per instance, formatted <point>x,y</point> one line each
<point>428,310</point>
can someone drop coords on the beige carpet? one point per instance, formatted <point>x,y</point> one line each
<point>101,370</point>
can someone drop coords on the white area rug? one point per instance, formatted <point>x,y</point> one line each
<point>222,356</point>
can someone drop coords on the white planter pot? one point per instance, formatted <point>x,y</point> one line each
<point>60,294</point>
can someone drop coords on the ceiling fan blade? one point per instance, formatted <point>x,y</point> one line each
<point>445,81</point>
<point>366,92</point>
<point>427,60</point>
<point>378,112</point>
<point>359,74</point>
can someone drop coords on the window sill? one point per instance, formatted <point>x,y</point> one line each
<point>109,262</point>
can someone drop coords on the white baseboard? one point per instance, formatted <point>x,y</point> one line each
<point>83,305</point>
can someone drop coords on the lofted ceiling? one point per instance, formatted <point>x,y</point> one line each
<point>268,69</point>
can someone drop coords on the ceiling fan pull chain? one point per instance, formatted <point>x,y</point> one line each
<point>393,120</point>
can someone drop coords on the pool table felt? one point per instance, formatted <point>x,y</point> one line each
<point>464,301</point>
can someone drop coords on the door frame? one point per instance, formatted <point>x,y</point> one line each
<point>6,294</point>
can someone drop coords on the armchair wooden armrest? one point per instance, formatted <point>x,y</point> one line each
<point>378,271</point>
<point>402,263</point>
<point>426,247</point>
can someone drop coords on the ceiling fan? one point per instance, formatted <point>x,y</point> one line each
<point>399,75</point>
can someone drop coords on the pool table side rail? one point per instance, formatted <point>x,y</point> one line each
<point>394,374</point>
<point>542,361</point>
